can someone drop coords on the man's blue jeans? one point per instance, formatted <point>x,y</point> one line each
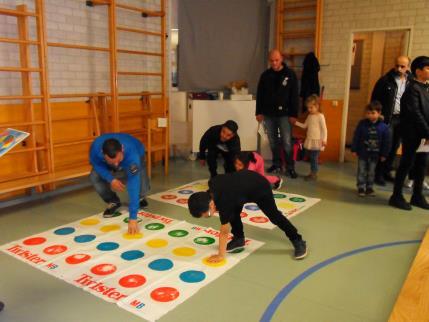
<point>105,191</point>
<point>276,126</point>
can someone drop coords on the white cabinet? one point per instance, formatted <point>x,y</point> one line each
<point>205,113</point>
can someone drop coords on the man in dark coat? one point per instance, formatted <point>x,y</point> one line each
<point>388,91</point>
<point>414,129</point>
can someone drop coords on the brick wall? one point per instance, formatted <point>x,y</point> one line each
<point>72,70</point>
<point>340,17</point>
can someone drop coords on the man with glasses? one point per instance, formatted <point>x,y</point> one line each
<point>388,91</point>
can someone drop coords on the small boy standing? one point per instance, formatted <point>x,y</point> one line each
<point>371,143</point>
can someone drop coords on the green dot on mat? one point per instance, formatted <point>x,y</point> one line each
<point>297,199</point>
<point>178,233</point>
<point>117,213</point>
<point>279,196</point>
<point>154,226</point>
<point>204,240</point>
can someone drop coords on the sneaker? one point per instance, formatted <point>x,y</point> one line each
<point>361,192</point>
<point>235,244</point>
<point>300,249</point>
<point>143,203</point>
<point>274,169</point>
<point>278,184</point>
<point>370,192</point>
<point>409,184</point>
<point>380,181</point>
<point>399,202</point>
<point>292,173</point>
<point>419,202</point>
<point>110,210</point>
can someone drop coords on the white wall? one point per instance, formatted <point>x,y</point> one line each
<point>71,70</point>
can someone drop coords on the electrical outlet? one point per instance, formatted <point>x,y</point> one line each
<point>335,103</point>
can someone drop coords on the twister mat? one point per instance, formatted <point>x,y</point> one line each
<point>147,274</point>
<point>288,203</point>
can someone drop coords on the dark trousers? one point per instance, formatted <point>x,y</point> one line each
<point>269,208</point>
<point>384,168</point>
<point>105,191</point>
<point>275,126</point>
<point>410,159</point>
<point>228,164</point>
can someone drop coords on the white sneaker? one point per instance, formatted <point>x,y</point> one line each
<point>409,184</point>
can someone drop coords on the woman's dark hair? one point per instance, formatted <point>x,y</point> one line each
<point>111,147</point>
<point>245,158</point>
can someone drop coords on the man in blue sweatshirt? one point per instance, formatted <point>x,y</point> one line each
<point>118,162</point>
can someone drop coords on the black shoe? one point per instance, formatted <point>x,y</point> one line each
<point>361,192</point>
<point>235,244</point>
<point>111,209</point>
<point>380,181</point>
<point>143,203</point>
<point>399,202</point>
<point>419,202</point>
<point>1,306</point>
<point>300,249</point>
<point>370,192</point>
<point>292,173</point>
<point>274,169</point>
<point>278,184</point>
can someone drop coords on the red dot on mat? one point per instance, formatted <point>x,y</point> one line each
<point>259,220</point>
<point>55,249</point>
<point>164,294</point>
<point>77,258</point>
<point>34,241</point>
<point>103,269</point>
<point>133,280</point>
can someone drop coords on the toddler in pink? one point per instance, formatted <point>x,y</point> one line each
<point>254,162</point>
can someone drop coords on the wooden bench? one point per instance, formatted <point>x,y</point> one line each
<point>30,182</point>
<point>412,304</point>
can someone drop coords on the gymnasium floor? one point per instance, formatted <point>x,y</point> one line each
<point>360,286</point>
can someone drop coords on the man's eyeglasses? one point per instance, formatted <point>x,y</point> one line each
<point>401,66</point>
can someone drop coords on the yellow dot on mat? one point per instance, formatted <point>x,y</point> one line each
<point>157,243</point>
<point>286,205</point>
<point>90,222</point>
<point>184,251</point>
<point>107,228</point>
<point>135,236</point>
<point>219,264</point>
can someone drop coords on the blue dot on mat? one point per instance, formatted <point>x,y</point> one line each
<point>84,238</point>
<point>193,276</point>
<point>161,264</point>
<point>252,207</point>
<point>65,231</point>
<point>132,255</point>
<point>185,192</point>
<point>107,246</point>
